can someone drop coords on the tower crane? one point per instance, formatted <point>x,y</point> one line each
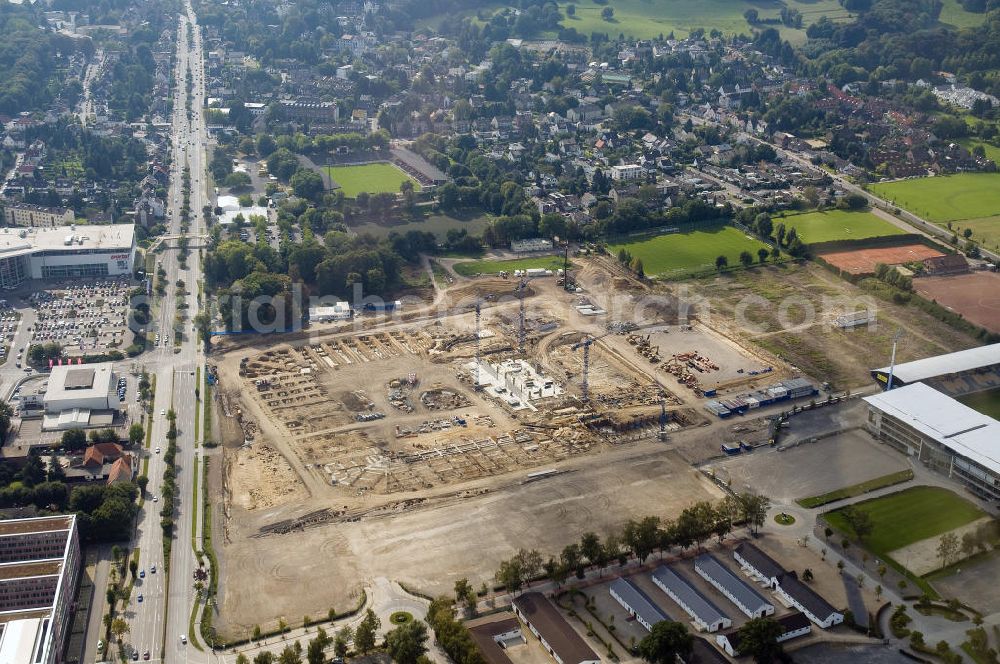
<point>522,286</point>
<point>479,314</point>
<point>585,344</point>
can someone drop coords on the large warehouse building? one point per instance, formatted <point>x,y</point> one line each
<point>65,252</point>
<point>39,568</point>
<point>943,433</point>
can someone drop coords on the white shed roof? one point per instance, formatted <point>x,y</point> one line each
<point>939,365</point>
<point>954,425</point>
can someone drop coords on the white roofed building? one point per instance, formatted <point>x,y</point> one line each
<point>81,387</point>
<point>65,252</point>
<point>940,367</point>
<point>943,433</point>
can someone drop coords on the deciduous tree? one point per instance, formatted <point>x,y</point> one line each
<point>665,642</point>
<point>406,643</point>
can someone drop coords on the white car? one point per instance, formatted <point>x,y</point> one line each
<point>157,450</point>
<point>163,411</point>
<point>184,638</point>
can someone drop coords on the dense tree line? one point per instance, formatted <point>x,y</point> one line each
<point>639,538</point>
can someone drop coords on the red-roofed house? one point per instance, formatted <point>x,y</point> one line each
<point>121,470</point>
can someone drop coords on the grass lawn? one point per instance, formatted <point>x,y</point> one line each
<point>953,14</point>
<point>967,201</point>
<point>830,225</point>
<point>947,198</point>
<point>681,254</point>
<point>987,403</point>
<point>909,516</point>
<point>371,178</point>
<point>857,489</point>
<point>472,268</point>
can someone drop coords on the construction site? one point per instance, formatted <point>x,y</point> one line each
<point>445,420</point>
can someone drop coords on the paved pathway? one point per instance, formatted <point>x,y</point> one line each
<point>383,596</point>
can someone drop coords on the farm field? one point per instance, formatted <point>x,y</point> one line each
<point>370,178</point>
<point>472,268</point>
<point>439,224</point>
<point>987,403</point>
<point>829,225</point>
<point>677,255</point>
<point>909,516</point>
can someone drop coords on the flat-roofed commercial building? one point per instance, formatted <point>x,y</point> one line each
<point>65,252</point>
<point>81,386</point>
<point>39,568</point>
<point>943,433</point>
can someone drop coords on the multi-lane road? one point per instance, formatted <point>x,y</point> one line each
<point>158,623</point>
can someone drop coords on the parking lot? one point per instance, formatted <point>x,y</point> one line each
<point>810,469</point>
<point>84,317</point>
<point>9,319</point>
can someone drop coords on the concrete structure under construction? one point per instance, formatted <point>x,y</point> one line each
<point>515,382</point>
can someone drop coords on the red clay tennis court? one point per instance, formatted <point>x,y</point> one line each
<point>863,261</point>
<point>976,296</point>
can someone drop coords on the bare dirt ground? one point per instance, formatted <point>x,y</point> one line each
<point>922,557</point>
<point>431,545</point>
<point>371,449</point>
<point>788,310</point>
<point>864,261</point>
<point>976,296</point>
<point>809,469</point>
<point>266,478</point>
<point>348,473</point>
